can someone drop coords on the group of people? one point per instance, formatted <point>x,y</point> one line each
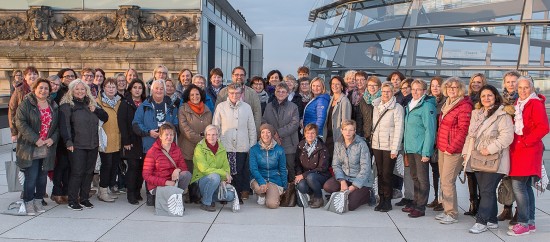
<point>265,135</point>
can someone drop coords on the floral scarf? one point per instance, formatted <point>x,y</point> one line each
<point>305,97</point>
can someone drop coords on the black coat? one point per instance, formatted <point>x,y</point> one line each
<point>78,126</point>
<point>318,162</point>
<point>125,115</point>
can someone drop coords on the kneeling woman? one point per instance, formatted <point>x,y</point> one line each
<point>352,167</point>
<point>164,164</point>
<point>210,168</point>
<point>311,166</point>
<point>268,168</point>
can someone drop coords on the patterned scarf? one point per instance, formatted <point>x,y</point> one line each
<point>383,106</point>
<point>232,158</point>
<point>267,146</point>
<point>110,102</point>
<point>509,97</point>
<point>369,97</point>
<point>264,97</point>
<point>305,97</point>
<point>174,97</point>
<point>310,147</point>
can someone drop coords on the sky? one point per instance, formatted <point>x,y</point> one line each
<point>284,25</point>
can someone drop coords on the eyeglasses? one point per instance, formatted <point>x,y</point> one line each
<point>88,75</point>
<point>238,74</point>
<point>404,88</point>
<point>54,84</point>
<point>161,72</point>
<point>69,76</point>
<point>452,88</point>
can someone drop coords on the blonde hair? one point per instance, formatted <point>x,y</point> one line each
<point>483,81</point>
<point>374,79</point>
<point>387,84</point>
<point>320,80</point>
<point>461,87</point>
<point>211,127</point>
<point>510,73</point>
<point>419,81</point>
<point>68,97</point>
<point>350,73</point>
<point>348,122</point>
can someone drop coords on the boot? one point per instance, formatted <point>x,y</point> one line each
<point>103,195</point>
<point>132,198</point>
<point>150,199</point>
<point>113,192</point>
<point>474,197</point>
<point>473,208</point>
<point>380,205</point>
<point>506,213</point>
<point>434,203</point>
<point>514,219</point>
<point>386,205</point>
<point>317,202</point>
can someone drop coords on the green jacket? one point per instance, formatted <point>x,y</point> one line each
<point>206,163</point>
<point>420,129</point>
<point>27,121</point>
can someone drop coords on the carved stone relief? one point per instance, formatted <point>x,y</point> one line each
<point>12,27</point>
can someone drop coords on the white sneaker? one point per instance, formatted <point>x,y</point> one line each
<point>492,225</point>
<point>440,216</point>
<point>448,220</point>
<point>261,200</point>
<point>478,228</point>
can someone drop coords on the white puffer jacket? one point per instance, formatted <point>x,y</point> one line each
<point>237,126</point>
<point>388,135</point>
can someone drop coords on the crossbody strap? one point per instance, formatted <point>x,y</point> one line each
<point>377,122</point>
<point>169,157</point>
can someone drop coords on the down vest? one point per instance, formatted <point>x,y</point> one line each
<point>453,127</point>
<point>157,168</point>
<point>389,133</point>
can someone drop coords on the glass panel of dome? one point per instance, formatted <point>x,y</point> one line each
<point>322,27</point>
<point>378,18</point>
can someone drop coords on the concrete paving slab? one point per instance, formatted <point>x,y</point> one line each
<point>250,215</point>
<point>429,234</point>
<point>364,217</point>
<point>192,214</point>
<point>255,232</point>
<point>102,210</point>
<point>134,231</point>
<point>8,222</point>
<point>331,234</point>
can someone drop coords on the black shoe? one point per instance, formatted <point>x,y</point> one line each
<point>86,204</point>
<point>241,201</point>
<point>150,199</point>
<point>403,202</point>
<point>386,206</point>
<point>139,197</point>
<point>44,203</point>
<point>74,206</point>
<point>473,208</point>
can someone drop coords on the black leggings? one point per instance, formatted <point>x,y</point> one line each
<point>384,169</point>
<point>109,166</point>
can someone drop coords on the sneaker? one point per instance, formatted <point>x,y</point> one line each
<point>87,204</point>
<point>123,190</point>
<point>448,220</point>
<point>261,200</point>
<point>29,207</point>
<point>397,194</point>
<point>532,228</point>
<point>38,206</point>
<point>478,228</point>
<point>492,225</point>
<point>74,206</point>
<point>518,230</point>
<point>440,216</point>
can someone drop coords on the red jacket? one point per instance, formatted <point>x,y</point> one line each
<point>453,127</point>
<point>157,168</point>
<point>526,150</point>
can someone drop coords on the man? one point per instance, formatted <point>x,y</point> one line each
<point>248,94</point>
<point>303,72</point>
<point>184,78</point>
<point>238,133</point>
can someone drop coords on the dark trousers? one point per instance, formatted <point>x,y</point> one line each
<point>108,170</point>
<point>312,183</point>
<point>421,180</point>
<point>355,198</point>
<point>61,173</point>
<point>290,166</point>
<point>488,208</point>
<point>82,171</point>
<point>242,178</point>
<point>472,186</point>
<point>120,174</point>
<point>34,186</point>
<point>134,177</point>
<point>397,182</point>
<point>384,169</point>
<point>435,177</point>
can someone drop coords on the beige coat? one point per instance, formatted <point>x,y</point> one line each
<point>236,124</point>
<point>191,126</point>
<point>496,134</point>
<point>388,135</point>
<point>251,98</point>
<point>340,112</point>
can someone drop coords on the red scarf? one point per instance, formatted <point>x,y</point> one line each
<point>197,108</point>
<point>213,148</point>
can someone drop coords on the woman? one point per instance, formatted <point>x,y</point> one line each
<point>17,79</point>
<point>491,131</point>
<point>131,142</point>
<point>185,78</point>
<point>361,110</point>
<point>210,168</point>
<point>164,164</point>
<point>99,78</point>
<point>199,81</point>
<point>352,167</point>
<point>37,121</point>
<point>339,109</point>
<point>121,84</point>
<point>268,168</point>
<point>531,125</point>
<point>395,78</point>
<point>454,120</point>
<point>193,116</point>
<point>419,136</point>
<point>311,165</point>
<point>387,137</point>
<point>109,100</point>
<point>316,110</point>
<point>131,74</point>
<point>67,75</point>
<point>283,116</point>
<point>172,94</point>
<point>304,90</point>
<point>30,75</point>
<point>55,82</point>
<point>216,84</point>
<point>150,115</point>
<point>435,91</point>
<point>79,115</point>
<point>293,95</point>
<point>257,83</point>
<point>273,78</point>
<point>405,92</point>
<point>477,81</point>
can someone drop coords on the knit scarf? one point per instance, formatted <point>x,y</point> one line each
<point>369,97</point>
<point>197,108</point>
<point>509,97</point>
<point>174,97</point>
<point>518,118</point>
<point>310,147</point>
<point>264,97</point>
<point>383,106</point>
<point>110,102</point>
<point>448,105</point>
<point>305,97</point>
<point>213,148</point>
<point>267,146</point>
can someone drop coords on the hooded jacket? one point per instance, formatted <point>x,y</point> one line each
<point>419,134</point>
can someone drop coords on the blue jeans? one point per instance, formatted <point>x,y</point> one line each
<point>208,186</point>
<point>525,199</point>
<point>488,207</point>
<point>35,181</point>
<point>313,182</point>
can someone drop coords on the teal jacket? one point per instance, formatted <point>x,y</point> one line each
<point>420,128</point>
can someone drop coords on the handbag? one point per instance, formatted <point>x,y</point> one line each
<point>102,137</point>
<point>14,176</point>
<point>542,184</point>
<point>303,199</point>
<point>223,190</point>
<point>236,205</point>
<point>484,163</point>
<point>288,198</point>
<point>338,202</point>
<point>169,201</point>
<point>40,152</point>
<point>505,195</point>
